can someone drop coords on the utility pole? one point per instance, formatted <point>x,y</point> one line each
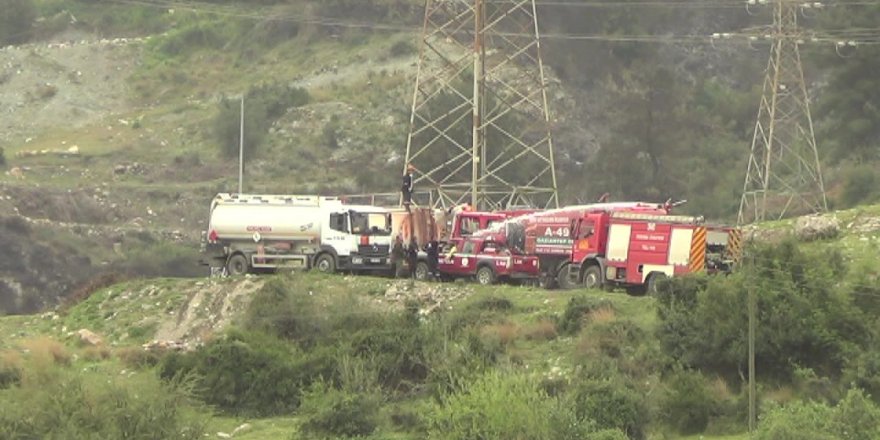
<point>241,149</point>
<point>752,385</point>
<point>479,122</point>
<point>783,175</point>
<point>477,141</point>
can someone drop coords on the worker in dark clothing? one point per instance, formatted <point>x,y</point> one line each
<point>412,258</point>
<point>397,256</point>
<point>433,251</point>
<point>407,188</point>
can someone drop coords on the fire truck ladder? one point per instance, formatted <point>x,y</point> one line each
<point>659,218</point>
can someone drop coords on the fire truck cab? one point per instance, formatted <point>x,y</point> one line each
<point>488,261</point>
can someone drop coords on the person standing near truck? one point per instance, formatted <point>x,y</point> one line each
<point>432,249</point>
<point>412,257</point>
<point>406,189</point>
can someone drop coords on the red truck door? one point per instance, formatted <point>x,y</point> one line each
<point>461,262</point>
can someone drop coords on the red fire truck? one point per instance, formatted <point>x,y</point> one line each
<point>487,261</point>
<point>463,223</point>
<point>572,245</point>
<point>635,250</point>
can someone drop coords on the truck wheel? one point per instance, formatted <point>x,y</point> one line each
<point>237,265</point>
<point>593,277</point>
<point>653,280</point>
<point>563,279</point>
<point>486,276</point>
<point>422,271</point>
<point>325,263</point>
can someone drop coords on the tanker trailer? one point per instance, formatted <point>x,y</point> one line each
<point>247,232</point>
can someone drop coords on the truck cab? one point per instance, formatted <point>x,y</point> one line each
<point>488,261</point>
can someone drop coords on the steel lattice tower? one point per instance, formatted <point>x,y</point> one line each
<point>479,123</point>
<point>783,173</point>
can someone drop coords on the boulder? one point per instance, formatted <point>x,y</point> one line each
<point>88,337</point>
<point>816,227</point>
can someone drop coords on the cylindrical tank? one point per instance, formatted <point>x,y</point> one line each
<point>270,218</point>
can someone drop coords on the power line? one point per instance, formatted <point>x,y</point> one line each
<point>867,38</point>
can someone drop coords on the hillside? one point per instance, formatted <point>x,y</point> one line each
<point>560,341</point>
<point>120,123</point>
<point>121,119</point>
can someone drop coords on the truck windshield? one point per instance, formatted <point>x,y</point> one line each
<point>370,223</point>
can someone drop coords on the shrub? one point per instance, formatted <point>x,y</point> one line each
<point>860,185</point>
<point>188,38</point>
<point>612,405</point>
<point>402,48</point>
<point>79,405</point>
<point>500,405</point>
<point>95,354</point>
<point>10,369</point>
<point>243,373</point>
<point>163,260</point>
<point>481,310</point>
<point>804,318</point>
<point>92,285</point>
<point>2,157</point>
<point>137,357</point>
<point>688,404</point>
<point>332,413</point>
<point>16,19</point>
<point>397,349</point>
<point>45,351</point>
<point>577,308</point>
<point>543,330</point>
<point>853,418</point>
<point>856,417</point>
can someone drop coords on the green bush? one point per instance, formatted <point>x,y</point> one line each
<point>16,19</point>
<point>612,405</point>
<point>2,157</point>
<point>796,421</point>
<point>193,36</point>
<point>500,405</point>
<point>330,413</point>
<point>863,371</point>
<point>856,417</point>
<point>860,185</point>
<point>86,405</point>
<point>688,405</point>
<point>805,318</point>
<point>577,308</point>
<point>10,371</point>
<point>163,259</point>
<point>286,307</point>
<point>402,48</point>
<point>853,418</point>
<point>245,373</point>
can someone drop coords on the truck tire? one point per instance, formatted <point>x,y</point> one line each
<point>563,279</point>
<point>593,277</point>
<point>485,275</point>
<point>237,265</point>
<point>651,282</point>
<point>422,273</point>
<point>325,263</point>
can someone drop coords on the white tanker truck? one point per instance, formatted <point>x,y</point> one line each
<point>247,232</point>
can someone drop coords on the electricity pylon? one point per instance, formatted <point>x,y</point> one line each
<point>783,176</point>
<point>479,124</point>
